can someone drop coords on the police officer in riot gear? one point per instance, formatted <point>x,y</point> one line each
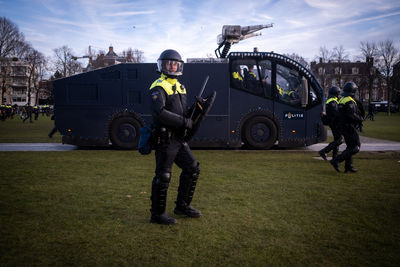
<point>170,121</point>
<point>349,118</point>
<point>331,118</point>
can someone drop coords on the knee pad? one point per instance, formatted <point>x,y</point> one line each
<point>162,179</point>
<point>193,169</point>
<point>165,177</point>
<point>196,168</point>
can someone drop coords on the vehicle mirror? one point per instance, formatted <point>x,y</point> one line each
<point>304,92</point>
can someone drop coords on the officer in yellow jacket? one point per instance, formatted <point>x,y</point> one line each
<point>237,79</point>
<point>170,121</point>
<point>350,117</point>
<point>331,118</point>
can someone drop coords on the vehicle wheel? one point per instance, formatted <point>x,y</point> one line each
<point>125,133</point>
<point>259,133</point>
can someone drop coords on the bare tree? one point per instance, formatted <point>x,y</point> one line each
<point>324,56</point>
<point>64,62</point>
<point>12,44</point>
<point>12,41</point>
<point>388,56</point>
<point>36,64</point>
<point>299,59</point>
<point>41,71</point>
<point>369,51</point>
<point>339,55</point>
<point>133,55</point>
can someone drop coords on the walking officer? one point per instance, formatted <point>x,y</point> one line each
<point>170,121</point>
<point>349,119</point>
<point>331,119</point>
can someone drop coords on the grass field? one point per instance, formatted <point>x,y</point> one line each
<point>383,127</point>
<point>260,208</point>
<point>14,131</point>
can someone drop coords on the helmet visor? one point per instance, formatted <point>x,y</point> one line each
<point>170,67</point>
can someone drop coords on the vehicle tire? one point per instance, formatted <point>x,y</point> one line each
<point>124,133</point>
<point>259,133</point>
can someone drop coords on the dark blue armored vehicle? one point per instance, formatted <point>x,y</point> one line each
<point>263,98</point>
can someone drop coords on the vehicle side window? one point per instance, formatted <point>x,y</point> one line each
<point>266,76</point>
<point>313,98</point>
<point>288,85</point>
<point>245,76</point>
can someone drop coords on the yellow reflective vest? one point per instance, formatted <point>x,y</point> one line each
<point>332,99</point>
<point>168,85</point>
<point>346,99</point>
<point>237,76</point>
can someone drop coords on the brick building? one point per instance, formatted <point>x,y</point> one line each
<point>364,74</point>
<point>14,78</point>
<point>109,59</point>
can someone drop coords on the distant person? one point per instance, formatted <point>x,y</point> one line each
<point>28,113</point>
<point>36,111</point>
<point>2,112</point>
<point>292,95</point>
<point>252,83</point>
<point>350,118</point>
<point>371,112</point>
<point>54,130</point>
<point>331,119</point>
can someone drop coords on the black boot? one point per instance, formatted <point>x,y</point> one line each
<point>322,154</point>
<point>348,167</point>
<point>335,152</point>
<point>158,200</point>
<point>326,150</point>
<point>162,219</point>
<point>335,164</point>
<point>187,186</point>
<point>187,210</point>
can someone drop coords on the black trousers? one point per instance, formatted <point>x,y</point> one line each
<point>175,151</point>
<point>353,144</point>
<point>337,141</point>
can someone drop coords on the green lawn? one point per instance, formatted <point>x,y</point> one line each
<point>383,127</point>
<point>15,131</point>
<point>260,208</point>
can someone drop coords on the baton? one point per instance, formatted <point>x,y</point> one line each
<point>201,92</point>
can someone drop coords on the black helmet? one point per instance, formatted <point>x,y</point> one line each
<point>170,57</point>
<point>334,91</point>
<point>349,89</point>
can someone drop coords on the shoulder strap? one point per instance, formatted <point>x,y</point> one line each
<point>332,99</point>
<point>346,99</point>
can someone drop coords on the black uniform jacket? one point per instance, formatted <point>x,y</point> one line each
<point>350,114</point>
<point>168,110</point>
<point>332,112</point>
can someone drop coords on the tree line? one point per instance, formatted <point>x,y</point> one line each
<point>14,46</point>
<point>381,58</point>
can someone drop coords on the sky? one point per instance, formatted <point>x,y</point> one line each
<point>191,27</point>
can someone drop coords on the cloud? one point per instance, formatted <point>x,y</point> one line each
<point>130,13</point>
<point>192,26</point>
